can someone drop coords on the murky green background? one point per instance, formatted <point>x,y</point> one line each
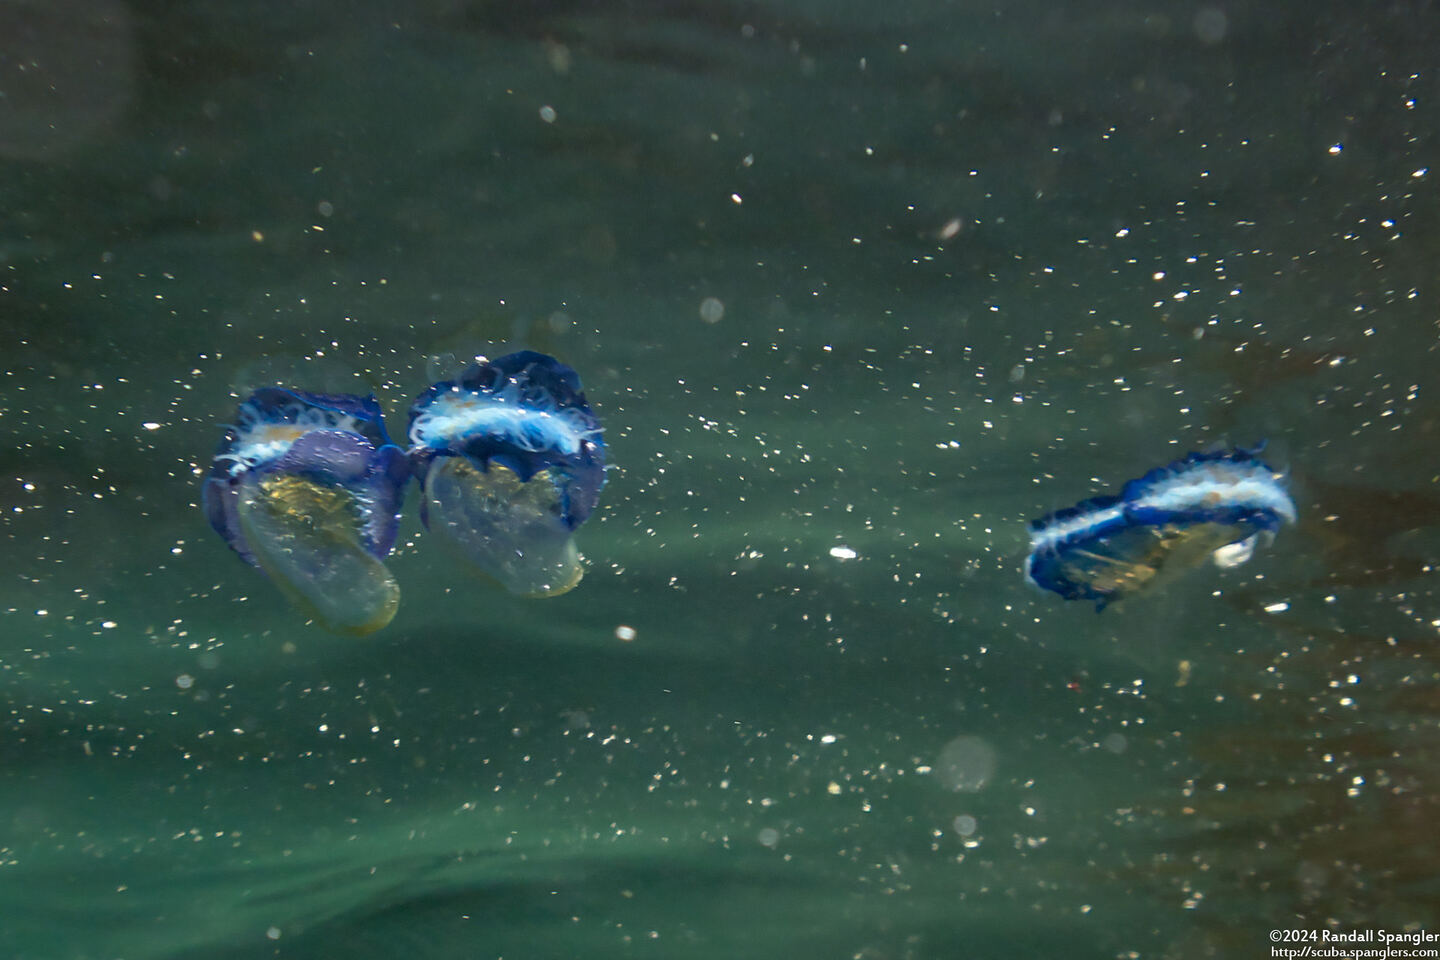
<point>842,278</point>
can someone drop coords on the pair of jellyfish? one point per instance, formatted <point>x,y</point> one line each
<point>1216,505</point>
<point>309,487</point>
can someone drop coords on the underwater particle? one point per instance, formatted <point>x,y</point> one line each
<point>965,825</point>
<point>768,837</point>
<point>712,309</point>
<point>308,487</point>
<point>966,764</point>
<point>1234,554</point>
<point>843,552</point>
<point>624,634</point>
<point>1210,25</point>
<point>558,56</point>
<point>1208,505</point>
<point>547,113</point>
<point>511,460</point>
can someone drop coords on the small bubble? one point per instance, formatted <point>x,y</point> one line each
<point>768,837</point>
<point>624,634</point>
<point>711,310</point>
<point>325,208</point>
<point>965,825</point>
<point>273,933</point>
<point>1211,25</point>
<point>966,764</point>
<point>547,113</point>
<point>184,681</point>
<point>559,56</point>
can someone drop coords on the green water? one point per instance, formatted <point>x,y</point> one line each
<point>976,263</point>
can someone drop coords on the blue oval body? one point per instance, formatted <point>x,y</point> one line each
<point>1173,518</point>
<point>511,460</point>
<point>308,488</point>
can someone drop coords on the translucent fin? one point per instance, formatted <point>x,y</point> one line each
<point>306,537</point>
<point>512,532</point>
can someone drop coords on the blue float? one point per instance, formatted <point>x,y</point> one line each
<point>308,487</point>
<point>1208,505</point>
<point>511,460</point>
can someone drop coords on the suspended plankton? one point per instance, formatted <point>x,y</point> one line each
<point>308,487</point>
<point>1216,505</point>
<point>511,460</point>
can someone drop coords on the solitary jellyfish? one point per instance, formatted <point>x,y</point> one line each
<point>511,460</point>
<point>308,487</point>
<point>1216,505</point>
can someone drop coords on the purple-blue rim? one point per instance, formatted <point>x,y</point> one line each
<point>331,440</point>
<point>525,411</point>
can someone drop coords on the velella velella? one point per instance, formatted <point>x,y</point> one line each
<point>308,487</point>
<point>1215,505</point>
<point>510,459</point>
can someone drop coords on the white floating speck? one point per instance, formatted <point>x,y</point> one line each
<point>843,552</point>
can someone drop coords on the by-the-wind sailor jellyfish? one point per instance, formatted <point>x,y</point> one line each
<point>511,460</point>
<point>308,487</point>
<point>1214,505</point>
